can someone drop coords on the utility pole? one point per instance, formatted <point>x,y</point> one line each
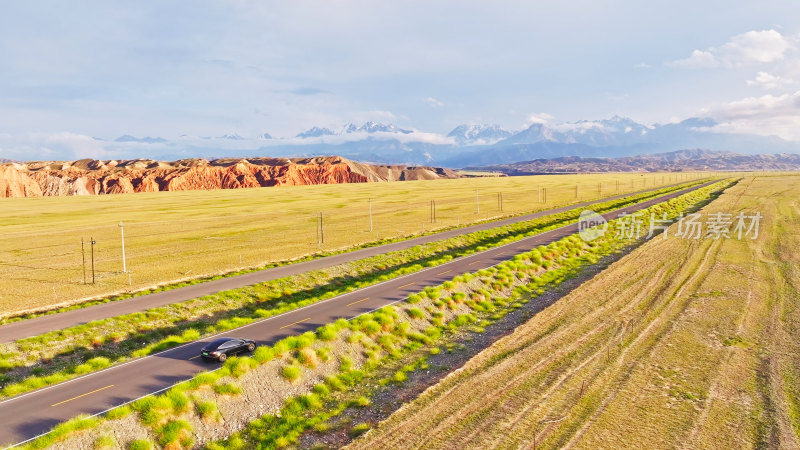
<point>500,201</point>
<point>477,202</point>
<point>83,259</point>
<point>370,215</point>
<point>433,211</point>
<point>321,230</point>
<point>92,242</point>
<point>122,234</point>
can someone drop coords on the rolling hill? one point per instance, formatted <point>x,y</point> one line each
<point>682,160</point>
<point>94,177</point>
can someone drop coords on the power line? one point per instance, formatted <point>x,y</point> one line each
<point>83,258</point>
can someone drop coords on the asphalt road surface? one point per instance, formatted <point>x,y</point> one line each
<point>29,415</point>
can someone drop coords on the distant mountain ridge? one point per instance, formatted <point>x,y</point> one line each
<point>682,160</point>
<point>465,145</point>
<point>479,134</point>
<point>367,127</point>
<point>145,140</point>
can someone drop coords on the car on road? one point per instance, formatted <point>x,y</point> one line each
<point>220,349</point>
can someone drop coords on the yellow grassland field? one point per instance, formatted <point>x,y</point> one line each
<point>680,344</point>
<point>173,236</point>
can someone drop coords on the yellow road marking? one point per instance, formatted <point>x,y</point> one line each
<point>194,357</point>
<point>474,262</point>
<point>407,285</point>
<point>357,301</point>
<point>446,271</point>
<point>82,395</point>
<point>299,321</point>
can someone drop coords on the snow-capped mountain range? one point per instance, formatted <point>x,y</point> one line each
<point>479,134</point>
<point>465,145</point>
<point>351,128</point>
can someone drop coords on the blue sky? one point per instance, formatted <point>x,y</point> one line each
<point>169,68</point>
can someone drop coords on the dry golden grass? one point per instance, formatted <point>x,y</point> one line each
<point>173,236</point>
<point>690,344</point>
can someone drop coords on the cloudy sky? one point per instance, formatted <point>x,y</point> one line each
<point>70,70</point>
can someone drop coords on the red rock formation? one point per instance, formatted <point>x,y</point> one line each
<point>92,177</point>
<point>16,183</point>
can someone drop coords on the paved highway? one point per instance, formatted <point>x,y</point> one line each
<point>34,327</point>
<point>31,414</point>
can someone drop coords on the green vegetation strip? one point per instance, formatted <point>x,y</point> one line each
<point>388,344</point>
<point>54,357</point>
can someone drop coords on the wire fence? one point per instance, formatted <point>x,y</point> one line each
<point>47,266</point>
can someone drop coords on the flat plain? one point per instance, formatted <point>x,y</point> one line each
<point>680,344</point>
<point>175,236</point>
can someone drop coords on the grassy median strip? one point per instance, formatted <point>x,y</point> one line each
<point>58,356</point>
<point>305,382</point>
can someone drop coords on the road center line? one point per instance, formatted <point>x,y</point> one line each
<point>299,321</point>
<point>474,262</point>
<point>446,271</point>
<point>82,395</point>
<point>407,285</point>
<point>194,357</point>
<point>357,301</point>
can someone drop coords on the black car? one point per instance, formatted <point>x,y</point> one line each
<point>220,349</point>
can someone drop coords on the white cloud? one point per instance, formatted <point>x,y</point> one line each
<point>414,136</point>
<point>541,118</point>
<point>769,81</point>
<point>743,49</point>
<point>777,115</point>
<point>433,103</point>
<point>71,146</point>
<point>698,60</point>
<point>755,46</point>
<point>47,146</point>
<point>581,127</point>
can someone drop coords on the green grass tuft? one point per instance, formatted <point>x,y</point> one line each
<point>140,444</point>
<point>227,389</point>
<point>291,373</point>
<point>359,429</point>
